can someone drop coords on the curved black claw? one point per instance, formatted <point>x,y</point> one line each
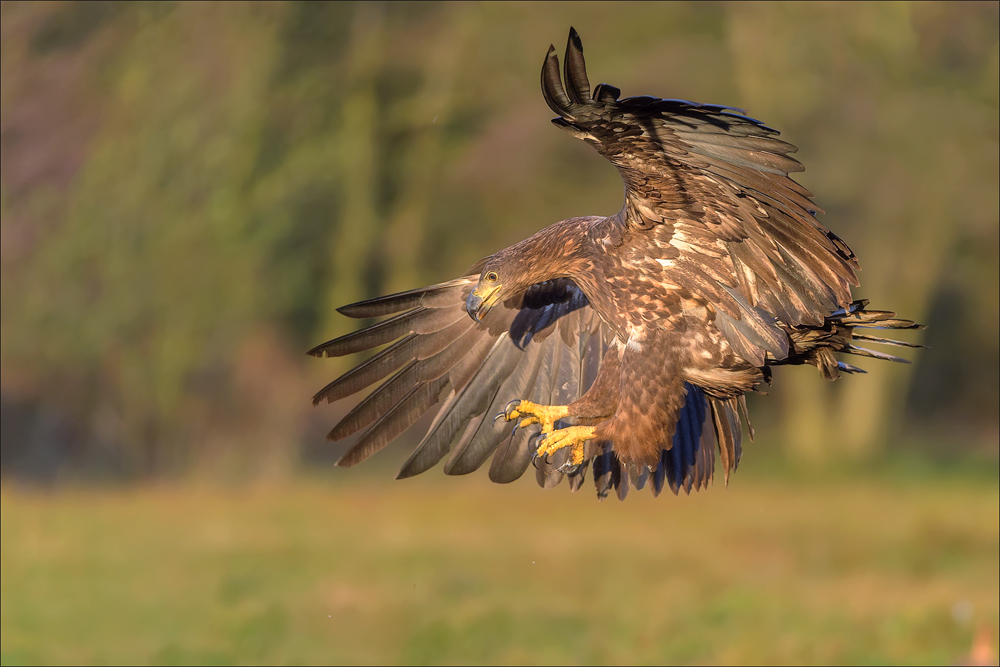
<point>506,414</point>
<point>533,444</point>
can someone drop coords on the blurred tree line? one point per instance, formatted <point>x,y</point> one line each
<point>189,190</point>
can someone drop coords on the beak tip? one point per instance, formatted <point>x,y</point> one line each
<point>472,306</point>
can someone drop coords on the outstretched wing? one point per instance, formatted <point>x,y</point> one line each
<point>546,345</point>
<point>713,184</point>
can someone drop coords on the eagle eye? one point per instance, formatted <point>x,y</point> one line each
<point>492,277</point>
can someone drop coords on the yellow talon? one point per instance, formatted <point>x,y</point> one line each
<point>571,436</point>
<point>532,413</point>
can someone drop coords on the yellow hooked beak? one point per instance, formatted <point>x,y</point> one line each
<point>482,299</point>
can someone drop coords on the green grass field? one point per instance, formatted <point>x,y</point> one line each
<point>361,569</point>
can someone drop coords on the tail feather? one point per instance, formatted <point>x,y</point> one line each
<point>847,368</point>
<point>885,341</point>
<point>817,346</point>
<point>865,352</point>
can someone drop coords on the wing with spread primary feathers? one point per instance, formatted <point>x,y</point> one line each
<point>546,344</point>
<point>715,185</point>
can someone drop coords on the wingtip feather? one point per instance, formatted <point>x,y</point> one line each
<point>552,87</point>
<point>574,38</point>
<point>575,70</point>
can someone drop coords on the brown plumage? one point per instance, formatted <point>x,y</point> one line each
<point>649,326</point>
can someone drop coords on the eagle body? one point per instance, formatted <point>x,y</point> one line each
<point>620,345</point>
<point>664,332</point>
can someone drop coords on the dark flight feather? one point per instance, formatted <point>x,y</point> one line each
<point>435,296</point>
<point>577,85</point>
<point>396,420</point>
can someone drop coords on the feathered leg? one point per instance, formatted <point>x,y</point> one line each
<point>650,399</point>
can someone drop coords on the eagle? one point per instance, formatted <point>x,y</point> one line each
<point>622,345</point>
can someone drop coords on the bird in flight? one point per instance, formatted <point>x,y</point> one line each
<point>621,345</point>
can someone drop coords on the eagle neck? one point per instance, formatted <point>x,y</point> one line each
<point>558,251</point>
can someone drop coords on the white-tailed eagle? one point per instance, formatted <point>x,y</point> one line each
<point>622,345</point>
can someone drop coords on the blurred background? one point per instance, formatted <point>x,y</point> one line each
<point>189,190</point>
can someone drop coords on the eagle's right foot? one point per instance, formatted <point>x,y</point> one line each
<point>532,413</point>
<point>572,438</point>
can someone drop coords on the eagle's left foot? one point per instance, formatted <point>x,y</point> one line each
<point>572,437</point>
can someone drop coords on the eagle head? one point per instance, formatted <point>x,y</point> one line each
<point>486,293</point>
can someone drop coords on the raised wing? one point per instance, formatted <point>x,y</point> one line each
<point>715,185</point>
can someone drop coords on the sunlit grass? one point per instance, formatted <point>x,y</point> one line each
<point>446,570</point>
